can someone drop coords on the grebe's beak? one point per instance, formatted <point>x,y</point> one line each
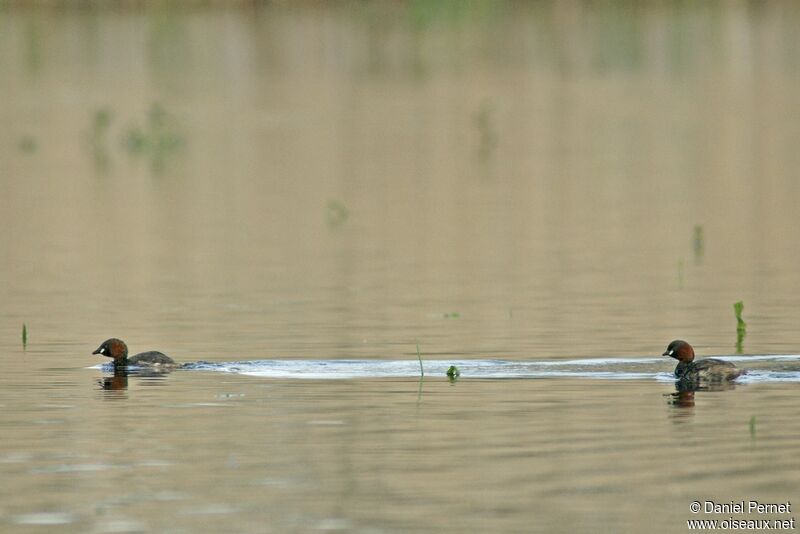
<point>668,353</point>
<point>99,351</point>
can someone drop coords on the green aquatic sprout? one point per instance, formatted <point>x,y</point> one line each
<point>453,372</point>
<point>419,357</point>
<point>741,326</point>
<point>452,315</point>
<point>753,426</point>
<point>24,336</point>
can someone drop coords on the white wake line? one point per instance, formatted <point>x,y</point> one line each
<point>522,363</point>
<point>660,368</point>
<point>479,375</point>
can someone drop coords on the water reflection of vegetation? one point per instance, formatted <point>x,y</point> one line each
<point>484,123</point>
<point>620,45</point>
<point>698,243</point>
<point>425,13</point>
<point>572,37</point>
<point>28,144</point>
<point>157,139</point>
<point>33,46</point>
<point>336,214</point>
<point>101,122</point>
<point>596,37</point>
<point>698,248</point>
<point>168,39</point>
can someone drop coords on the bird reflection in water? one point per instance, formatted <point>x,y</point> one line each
<point>685,391</point>
<point>119,380</point>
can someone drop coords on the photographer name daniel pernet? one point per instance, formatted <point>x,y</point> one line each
<point>745,507</point>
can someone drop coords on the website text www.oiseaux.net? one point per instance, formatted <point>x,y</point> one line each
<point>740,507</point>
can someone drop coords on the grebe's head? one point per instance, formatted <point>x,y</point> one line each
<point>113,348</point>
<point>680,350</point>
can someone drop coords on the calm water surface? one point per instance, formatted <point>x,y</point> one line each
<point>562,184</point>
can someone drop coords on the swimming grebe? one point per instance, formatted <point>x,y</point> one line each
<point>118,350</point>
<point>707,370</point>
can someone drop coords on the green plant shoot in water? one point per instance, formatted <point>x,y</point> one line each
<point>419,357</point>
<point>753,426</point>
<point>24,336</point>
<point>741,326</point>
<point>738,307</point>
